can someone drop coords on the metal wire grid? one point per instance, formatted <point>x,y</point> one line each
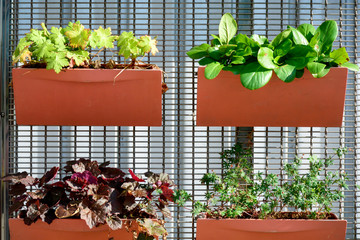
<point>179,147</point>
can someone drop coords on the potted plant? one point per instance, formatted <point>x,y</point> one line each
<point>112,205</point>
<point>244,204</point>
<point>316,98</point>
<point>75,89</point>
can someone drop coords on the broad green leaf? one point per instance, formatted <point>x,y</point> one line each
<point>314,42</point>
<point>297,37</point>
<point>57,61</point>
<point>146,44</point>
<point>328,31</point>
<point>315,67</point>
<point>79,56</point>
<point>246,51</point>
<point>283,48</point>
<point>235,69</point>
<point>215,53</point>
<point>300,55</point>
<point>286,73</point>
<point>340,56</point>
<point>227,49</point>
<point>307,30</point>
<point>265,58</point>
<point>299,73</point>
<point>206,61</point>
<point>281,37</point>
<point>198,51</point>
<point>351,66</point>
<point>227,28</point>
<point>259,39</point>
<point>78,35</point>
<point>238,60</point>
<point>322,73</point>
<point>216,37</point>
<point>101,38</point>
<point>213,69</point>
<point>254,76</point>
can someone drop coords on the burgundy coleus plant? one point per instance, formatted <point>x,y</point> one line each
<point>96,193</point>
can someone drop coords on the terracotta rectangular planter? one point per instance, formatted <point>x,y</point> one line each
<point>256,229</point>
<point>88,97</point>
<point>305,102</point>
<point>64,229</point>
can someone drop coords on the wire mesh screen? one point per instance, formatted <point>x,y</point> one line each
<point>179,147</point>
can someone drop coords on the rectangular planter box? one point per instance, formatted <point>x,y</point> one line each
<point>274,229</point>
<point>305,102</point>
<point>64,229</point>
<point>88,97</point>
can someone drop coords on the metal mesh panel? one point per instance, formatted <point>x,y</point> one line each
<point>179,147</point>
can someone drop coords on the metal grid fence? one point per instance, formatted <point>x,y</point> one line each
<point>179,147</point>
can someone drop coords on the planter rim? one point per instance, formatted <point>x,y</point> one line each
<point>275,220</point>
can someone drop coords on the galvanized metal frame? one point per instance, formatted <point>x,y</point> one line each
<point>4,114</point>
<point>179,146</point>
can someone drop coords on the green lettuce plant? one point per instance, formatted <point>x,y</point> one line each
<point>242,192</point>
<point>71,46</point>
<point>255,58</point>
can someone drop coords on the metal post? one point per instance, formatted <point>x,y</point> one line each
<point>4,73</point>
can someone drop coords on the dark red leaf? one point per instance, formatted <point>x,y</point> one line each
<point>110,174</point>
<point>53,196</point>
<point>49,216</point>
<point>14,177</point>
<point>167,193</point>
<point>17,189</point>
<point>48,176</point>
<point>18,202</point>
<point>136,178</point>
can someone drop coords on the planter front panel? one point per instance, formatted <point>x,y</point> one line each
<point>64,229</point>
<point>88,97</point>
<point>255,229</point>
<point>305,102</point>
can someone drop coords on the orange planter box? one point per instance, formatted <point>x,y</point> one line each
<point>305,102</point>
<point>64,229</point>
<point>274,229</point>
<point>88,97</point>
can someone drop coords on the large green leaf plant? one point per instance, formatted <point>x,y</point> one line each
<point>71,46</point>
<point>255,58</point>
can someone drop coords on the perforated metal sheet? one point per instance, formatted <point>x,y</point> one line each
<point>179,147</point>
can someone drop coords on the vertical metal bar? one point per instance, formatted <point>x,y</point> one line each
<point>4,73</point>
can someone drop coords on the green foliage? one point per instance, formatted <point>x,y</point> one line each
<point>242,192</point>
<point>71,46</point>
<point>287,54</point>
<point>131,47</point>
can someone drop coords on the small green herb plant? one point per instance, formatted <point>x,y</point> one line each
<point>71,46</point>
<point>255,58</point>
<point>241,192</point>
